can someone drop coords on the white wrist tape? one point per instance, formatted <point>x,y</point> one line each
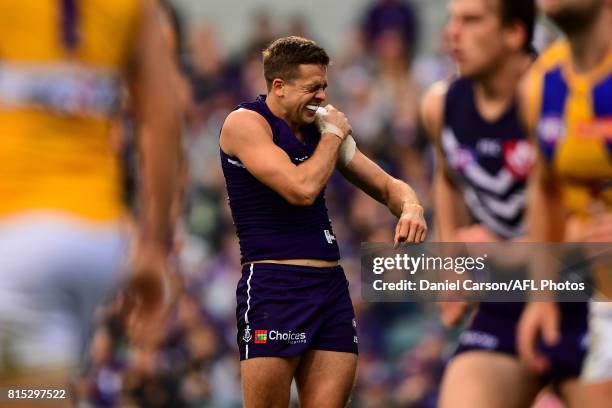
<point>346,151</point>
<point>348,146</point>
<point>326,127</point>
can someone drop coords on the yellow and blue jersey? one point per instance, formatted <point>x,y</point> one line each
<point>571,115</point>
<point>61,69</point>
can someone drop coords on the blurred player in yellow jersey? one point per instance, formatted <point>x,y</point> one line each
<point>63,66</point>
<point>567,100</point>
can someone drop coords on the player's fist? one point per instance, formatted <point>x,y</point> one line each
<point>540,320</point>
<point>331,120</point>
<point>411,226</point>
<point>148,291</point>
<point>451,313</point>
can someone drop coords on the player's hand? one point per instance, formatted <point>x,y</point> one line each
<point>148,292</point>
<point>474,233</point>
<point>333,121</point>
<point>451,313</point>
<point>598,229</point>
<point>539,320</point>
<point>411,226</point>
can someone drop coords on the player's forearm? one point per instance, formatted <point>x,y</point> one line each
<point>545,212</point>
<point>446,220</point>
<point>314,173</point>
<point>398,195</point>
<point>541,225</point>
<point>155,103</point>
<point>545,223</point>
<point>159,175</point>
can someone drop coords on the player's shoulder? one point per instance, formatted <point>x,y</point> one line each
<point>432,106</point>
<point>244,119</point>
<point>556,54</point>
<point>438,89</point>
<point>243,127</point>
<point>530,87</point>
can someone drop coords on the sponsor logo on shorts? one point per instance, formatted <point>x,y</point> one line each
<point>261,336</point>
<point>478,338</point>
<point>289,337</point>
<point>247,335</point>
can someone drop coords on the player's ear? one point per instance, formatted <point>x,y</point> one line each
<point>516,35</point>
<point>278,87</point>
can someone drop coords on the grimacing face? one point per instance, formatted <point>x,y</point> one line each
<point>571,15</point>
<point>308,88</point>
<point>474,33</point>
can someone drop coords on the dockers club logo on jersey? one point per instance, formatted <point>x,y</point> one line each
<point>519,156</point>
<point>289,337</point>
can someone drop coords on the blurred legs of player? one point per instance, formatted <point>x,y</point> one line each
<point>508,383</point>
<point>500,373</point>
<point>266,381</point>
<point>55,270</point>
<point>597,370</point>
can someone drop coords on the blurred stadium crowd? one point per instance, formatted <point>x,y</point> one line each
<point>377,80</point>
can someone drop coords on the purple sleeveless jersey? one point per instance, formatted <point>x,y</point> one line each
<point>268,226</point>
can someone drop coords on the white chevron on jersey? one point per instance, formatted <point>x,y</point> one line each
<point>483,214</point>
<point>498,184</point>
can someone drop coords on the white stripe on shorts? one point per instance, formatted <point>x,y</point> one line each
<point>246,313</point>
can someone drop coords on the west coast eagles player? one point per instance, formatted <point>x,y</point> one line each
<point>63,65</point>
<point>567,101</point>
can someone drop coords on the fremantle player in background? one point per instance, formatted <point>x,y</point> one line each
<point>483,160</point>
<point>295,316</point>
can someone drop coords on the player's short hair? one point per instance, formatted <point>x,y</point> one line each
<point>282,58</point>
<point>522,11</point>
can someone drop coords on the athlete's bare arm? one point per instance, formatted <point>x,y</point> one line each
<point>398,196</point>
<point>156,108</point>
<point>545,223</point>
<point>155,105</point>
<point>247,135</point>
<point>449,208</point>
